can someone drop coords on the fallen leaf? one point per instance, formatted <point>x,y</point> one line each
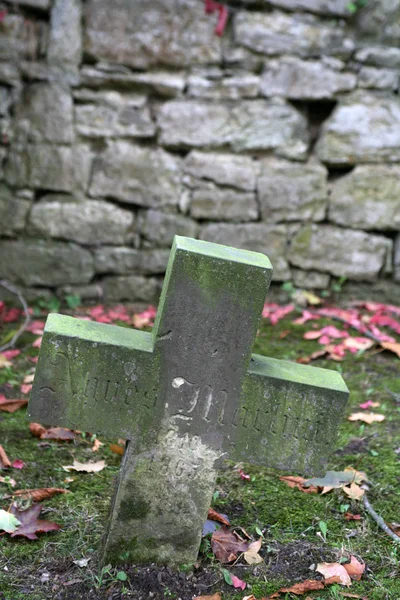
<point>18,464</point>
<point>30,524</point>
<point>329,570</point>
<point>309,585</point>
<point>395,527</point>
<point>81,562</point>
<point>350,517</point>
<point>238,583</point>
<point>8,481</point>
<point>369,404</point>
<point>252,597</point>
<point>354,568</point>
<point>251,555</point>
<point>392,347</point>
<point>216,596</point>
<point>11,406</point>
<point>39,494</point>
<point>226,546</point>
<point>367,417</point>
<point>4,362</point>
<point>59,434</point>
<point>37,429</point>
<point>90,467</point>
<point>354,491</point>
<point>355,344</point>
<point>97,445</point>
<point>243,475</point>
<point>347,595</point>
<point>117,449</point>
<point>337,479</point>
<point>213,515</point>
<point>5,462</point>
<point>10,354</point>
<point>29,378</point>
<point>304,360</point>
<point>25,388</point>
<point>8,521</point>
<point>298,482</point>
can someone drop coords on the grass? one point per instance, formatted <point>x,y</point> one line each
<point>288,518</point>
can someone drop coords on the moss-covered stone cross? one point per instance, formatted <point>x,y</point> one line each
<point>185,395</point>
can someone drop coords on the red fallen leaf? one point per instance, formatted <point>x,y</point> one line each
<point>243,475</point>
<point>226,545</point>
<point>12,315</point>
<point>354,568</point>
<point>5,462</point>
<point>382,337</point>
<point>268,309</point>
<point>369,404</point>
<point>297,482</point>
<point>36,327</point>
<point>37,343</point>
<point>10,354</point>
<point>213,515</point>
<point>59,434</point>
<point>25,388</point>
<point>3,14</point>
<point>280,313</point>
<point>305,317</point>
<point>309,585</point>
<point>392,347</point>
<point>238,583</point>
<point>145,318</point>
<point>11,406</point>
<point>18,464</point>
<point>37,429</point>
<point>350,517</point>
<point>385,321</point>
<point>37,495</point>
<point>30,524</point>
<point>118,313</point>
<point>334,573</point>
<point>305,360</point>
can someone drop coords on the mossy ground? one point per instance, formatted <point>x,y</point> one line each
<point>288,518</point>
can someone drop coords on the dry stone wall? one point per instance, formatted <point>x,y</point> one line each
<point>125,123</point>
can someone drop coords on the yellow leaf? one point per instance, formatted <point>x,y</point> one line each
<point>90,467</point>
<point>4,362</point>
<point>336,571</point>
<point>354,491</point>
<point>367,417</point>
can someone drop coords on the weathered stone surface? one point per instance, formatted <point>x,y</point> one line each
<point>159,228</point>
<point>20,37</point>
<point>125,261</point>
<point>42,4</point>
<point>252,125</point>
<point>292,192</point>
<point>91,292</point>
<point>380,21</point>
<point>280,33</point>
<point>131,288</point>
<point>221,204</point>
<point>239,57</point>
<point>44,114</point>
<point>142,34</point>
<point>13,211</point>
<point>225,88</point>
<point>378,78</point>
<point>367,198</point>
<point>110,114</point>
<point>341,252</point>
<point>5,100</point>
<point>258,237</point>
<point>138,175</point>
<point>50,167</point>
<point>36,262</point>
<point>86,221</point>
<point>379,56</point>
<point>363,128</point>
<point>64,52</point>
<point>310,279</point>
<point>396,259</point>
<point>323,7</point>
<point>223,169</point>
<point>163,83</point>
<point>300,79</point>
<point>9,73</point>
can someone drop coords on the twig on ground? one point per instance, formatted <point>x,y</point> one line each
<point>378,519</point>
<point>8,286</point>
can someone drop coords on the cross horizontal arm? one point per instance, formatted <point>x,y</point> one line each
<point>94,377</point>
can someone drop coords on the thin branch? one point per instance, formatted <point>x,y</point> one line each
<point>8,286</point>
<point>378,519</point>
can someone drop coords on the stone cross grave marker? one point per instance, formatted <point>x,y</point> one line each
<point>183,396</point>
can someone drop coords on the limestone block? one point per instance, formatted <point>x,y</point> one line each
<point>280,33</point>
<point>86,221</point>
<point>310,279</point>
<point>38,262</point>
<point>20,37</point>
<point>226,88</point>
<point>5,100</point>
<point>380,21</point>
<point>252,125</point>
<point>137,175</point>
<point>300,79</point>
<point>131,288</point>
<point>9,73</point>
<point>363,128</point>
<point>223,169</point>
<point>163,83</point>
<point>110,114</point>
<point>292,192</point>
<point>50,167</point>
<point>42,4</point>
<point>44,114</point>
<point>159,228</point>
<point>125,261</point>
<point>341,252</point>
<point>337,8</point>
<point>259,237</point>
<point>221,204</point>
<point>91,292</point>
<point>379,56</point>
<point>142,34</point>
<point>64,52</point>
<point>378,78</point>
<point>397,259</point>
<point>13,211</point>
<point>367,198</point>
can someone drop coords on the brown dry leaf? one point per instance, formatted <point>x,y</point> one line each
<point>226,546</point>
<point>334,573</point>
<point>97,445</point>
<point>354,568</point>
<point>216,596</point>
<point>251,555</point>
<point>350,517</point>
<point>309,585</point>
<point>305,360</point>
<point>213,515</point>
<point>354,491</point>
<point>395,527</point>
<point>392,347</point>
<point>5,462</point>
<point>59,434</point>
<point>11,406</point>
<point>90,467</point>
<point>117,449</point>
<point>347,595</point>
<point>30,524</point>
<point>40,494</point>
<point>367,417</point>
<point>297,482</point>
<point>358,476</point>
<point>37,429</point>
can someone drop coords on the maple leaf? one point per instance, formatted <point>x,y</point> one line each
<point>90,467</point>
<point>298,482</point>
<point>213,515</point>
<point>30,524</point>
<point>226,545</point>
<point>334,573</point>
<point>354,491</point>
<point>11,406</point>
<point>37,495</point>
<point>53,433</point>
<point>309,585</point>
<point>367,417</point>
<point>251,555</point>
<point>8,521</point>
<point>354,568</point>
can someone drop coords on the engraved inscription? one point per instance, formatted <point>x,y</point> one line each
<point>201,400</point>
